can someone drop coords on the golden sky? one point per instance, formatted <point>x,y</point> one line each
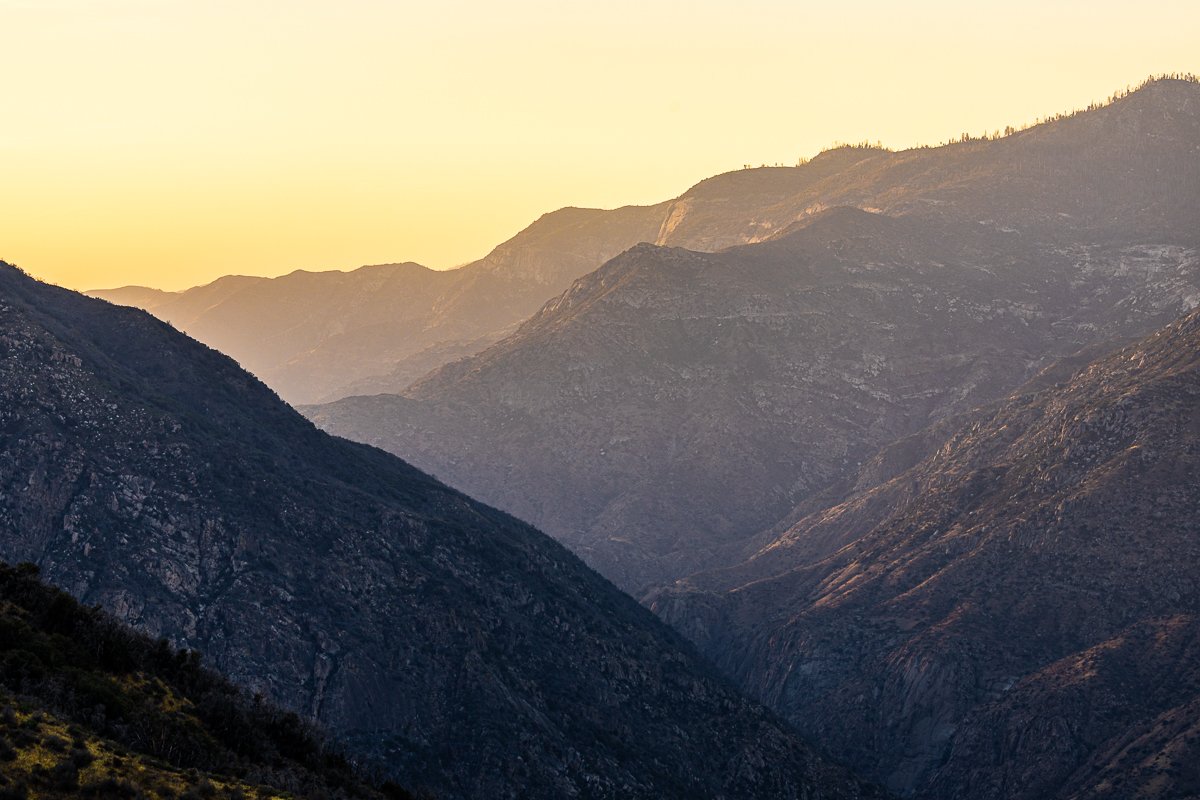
<point>166,143</point>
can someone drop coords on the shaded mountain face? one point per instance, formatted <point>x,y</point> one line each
<point>673,404</point>
<point>1015,615</point>
<point>454,646</point>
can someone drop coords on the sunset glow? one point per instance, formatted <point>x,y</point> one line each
<point>166,143</point>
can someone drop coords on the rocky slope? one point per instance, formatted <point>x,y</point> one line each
<point>454,646</point>
<point>673,403</point>
<point>1014,615</point>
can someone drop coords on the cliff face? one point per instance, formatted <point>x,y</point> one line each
<point>457,647</point>
<point>1015,615</point>
<point>672,404</point>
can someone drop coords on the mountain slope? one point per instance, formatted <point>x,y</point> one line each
<point>92,709</point>
<point>436,637</point>
<point>673,404</point>
<point>1016,615</point>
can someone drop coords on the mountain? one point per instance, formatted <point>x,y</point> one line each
<point>436,638</point>
<point>1014,614</point>
<point>673,404</point>
<point>88,708</point>
<point>320,335</point>
<point>316,337</point>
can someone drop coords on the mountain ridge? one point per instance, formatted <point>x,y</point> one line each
<point>848,326</point>
<point>602,416</point>
<point>365,327</point>
<point>482,302</point>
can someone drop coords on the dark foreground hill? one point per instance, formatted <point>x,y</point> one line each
<point>89,708</point>
<point>1015,615</point>
<point>673,404</point>
<point>454,646</point>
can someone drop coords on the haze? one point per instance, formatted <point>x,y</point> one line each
<point>167,143</point>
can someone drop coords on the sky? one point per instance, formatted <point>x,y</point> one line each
<point>167,143</point>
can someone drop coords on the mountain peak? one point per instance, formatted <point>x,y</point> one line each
<point>1183,85</point>
<point>845,154</point>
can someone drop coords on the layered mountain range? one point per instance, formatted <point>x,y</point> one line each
<point>1005,606</point>
<point>318,336</point>
<point>436,638</point>
<point>673,405</point>
<point>315,337</point>
<point>323,335</point>
<point>904,442</point>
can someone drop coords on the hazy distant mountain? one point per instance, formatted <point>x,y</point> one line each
<point>1014,615</point>
<point>320,335</point>
<point>673,404</point>
<point>137,296</point>
<point>458,647</point>
<point>316,337</point>
<point>325,335</point>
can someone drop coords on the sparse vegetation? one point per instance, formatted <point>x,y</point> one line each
<point>1010,130</point>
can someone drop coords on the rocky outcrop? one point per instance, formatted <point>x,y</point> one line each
<point>451,645</point>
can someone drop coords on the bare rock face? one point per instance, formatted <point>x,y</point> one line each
<point>453,646</point>
<point>1015,615</point>
<point>673,404</point>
